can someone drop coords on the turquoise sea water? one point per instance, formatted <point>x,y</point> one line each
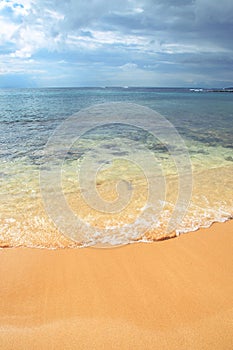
<point>28,117</point>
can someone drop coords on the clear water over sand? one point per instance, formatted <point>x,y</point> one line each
<point>28,118</point>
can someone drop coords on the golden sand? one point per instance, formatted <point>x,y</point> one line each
<point>174,294</point>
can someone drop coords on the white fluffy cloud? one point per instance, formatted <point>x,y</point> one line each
<point>103,42</point>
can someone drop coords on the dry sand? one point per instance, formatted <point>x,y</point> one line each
<point>175,294</point>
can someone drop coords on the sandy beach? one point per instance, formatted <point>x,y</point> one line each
<point>116,164</point>
<point>174,294</point>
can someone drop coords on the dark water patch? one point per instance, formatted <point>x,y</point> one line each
<point>75,154</point>
<point>199,151</point>
<point>110,146</point>
<point>229,146</point>
<point>157,147</point>
<point>120,154</point>
<point>4,175</point>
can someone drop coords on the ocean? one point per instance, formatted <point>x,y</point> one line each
<point>109,166</point>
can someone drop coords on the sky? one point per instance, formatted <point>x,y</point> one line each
<point>56,43</point>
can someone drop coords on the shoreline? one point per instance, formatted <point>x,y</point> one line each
<point>150,240</point>
<point>172,294</point>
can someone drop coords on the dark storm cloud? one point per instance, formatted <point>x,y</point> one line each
<point>186,41</point>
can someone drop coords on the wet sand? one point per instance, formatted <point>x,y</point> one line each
<point>174,294</point>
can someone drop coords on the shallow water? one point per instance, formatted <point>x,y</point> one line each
<point>28,117</point>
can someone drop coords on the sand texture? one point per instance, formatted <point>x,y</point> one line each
<point>173,294</point>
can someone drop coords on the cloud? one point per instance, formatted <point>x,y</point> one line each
<point>172,42</point>
<point>129,67</point>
